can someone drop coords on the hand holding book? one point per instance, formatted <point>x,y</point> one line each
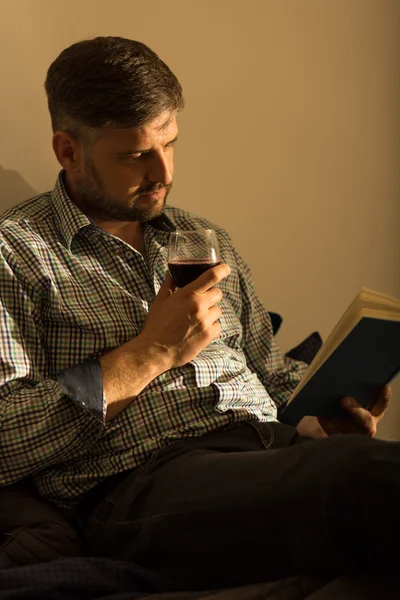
<point>361,420</point>
<point>360,357</point>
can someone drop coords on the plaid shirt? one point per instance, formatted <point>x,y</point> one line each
<point>71,292</point>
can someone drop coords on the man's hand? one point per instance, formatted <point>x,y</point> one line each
<point>181,324</point>
<point>361,420</point>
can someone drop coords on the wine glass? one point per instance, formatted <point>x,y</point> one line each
<point>191,253</point>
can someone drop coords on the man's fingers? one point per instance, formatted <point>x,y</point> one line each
<point>214,314</point>
<point>328,425</point>
<point>208,279</point>
<point>365,420</point>
<point>361,420</point>
<point>213,296</point>
<point>379,407</point>
<point>361,416</point>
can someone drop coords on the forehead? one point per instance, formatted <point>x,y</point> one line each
<point>159,131</point>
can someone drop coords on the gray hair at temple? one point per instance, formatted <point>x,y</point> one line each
<point>109,81</point>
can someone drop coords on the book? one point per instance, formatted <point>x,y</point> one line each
<point>360,356</point>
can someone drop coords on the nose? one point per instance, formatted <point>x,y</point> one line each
<point>160,170</point>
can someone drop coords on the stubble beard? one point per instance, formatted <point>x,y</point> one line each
<point>93,200</point>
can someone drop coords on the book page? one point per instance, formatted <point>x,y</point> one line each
<point>370,298</point>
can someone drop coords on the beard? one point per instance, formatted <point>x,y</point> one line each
<point>92,199</point>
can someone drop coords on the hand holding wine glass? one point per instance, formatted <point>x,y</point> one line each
<point>180,325</point>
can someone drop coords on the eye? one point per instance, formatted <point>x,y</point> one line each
<point>134,157</point>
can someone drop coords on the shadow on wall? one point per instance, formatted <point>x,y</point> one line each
<point>13,189</point>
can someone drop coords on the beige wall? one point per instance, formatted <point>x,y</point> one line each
<point>290,138</point>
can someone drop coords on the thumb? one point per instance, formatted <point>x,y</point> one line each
<point>382,403</point>
<point>166,289</point>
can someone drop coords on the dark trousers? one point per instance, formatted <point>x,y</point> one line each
<point>255,503</point>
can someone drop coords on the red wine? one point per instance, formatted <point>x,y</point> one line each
<point>187,270</point>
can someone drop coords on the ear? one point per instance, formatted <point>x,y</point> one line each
<point>69,151</point>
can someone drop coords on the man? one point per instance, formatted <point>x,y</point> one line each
<point>147,412</point>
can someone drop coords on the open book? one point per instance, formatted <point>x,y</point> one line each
<point>360,356</point>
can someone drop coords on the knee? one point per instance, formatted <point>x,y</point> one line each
<point>361,462</point>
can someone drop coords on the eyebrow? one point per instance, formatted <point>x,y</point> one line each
<point>130,152</point>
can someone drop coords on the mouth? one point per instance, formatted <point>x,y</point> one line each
<point>155,195</point>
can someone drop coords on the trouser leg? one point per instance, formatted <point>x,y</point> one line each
<point>217,516</point>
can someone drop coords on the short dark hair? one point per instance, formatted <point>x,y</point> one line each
<point>109,81</point>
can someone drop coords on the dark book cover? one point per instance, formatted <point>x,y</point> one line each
<point>366,360</point>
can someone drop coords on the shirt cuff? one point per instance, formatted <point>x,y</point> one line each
<point>83,383</point>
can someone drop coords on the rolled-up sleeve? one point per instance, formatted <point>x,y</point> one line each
<point>83,384</point>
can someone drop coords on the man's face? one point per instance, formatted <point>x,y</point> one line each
<point>127,174</point>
